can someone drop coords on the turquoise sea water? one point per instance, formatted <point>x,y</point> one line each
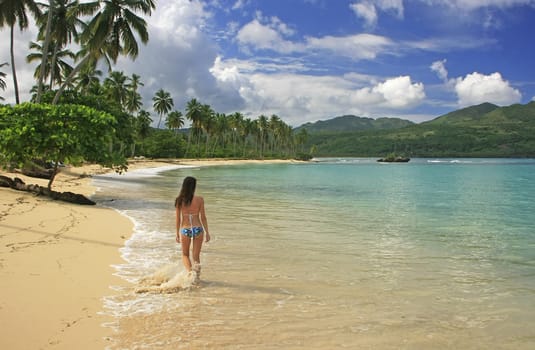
<point>338,253</point>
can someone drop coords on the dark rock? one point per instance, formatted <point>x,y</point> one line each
<point>19,185</point>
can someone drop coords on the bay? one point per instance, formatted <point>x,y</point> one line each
<point>335,253</point>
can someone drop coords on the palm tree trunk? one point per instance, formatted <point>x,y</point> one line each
<point>52,65</point>
<point>45,51</point>
<point>69,79</point>
<point>15,84</point>
<point>189,141</point>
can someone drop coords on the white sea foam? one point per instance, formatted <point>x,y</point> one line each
<point>168,279</point>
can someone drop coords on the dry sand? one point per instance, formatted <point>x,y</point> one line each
<point>56,262</point>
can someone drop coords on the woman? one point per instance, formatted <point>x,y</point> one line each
<point>191,224</point>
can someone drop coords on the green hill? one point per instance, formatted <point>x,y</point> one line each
<point>484,130</point>
<point>354,123</point>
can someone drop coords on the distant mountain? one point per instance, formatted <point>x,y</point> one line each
<point>488,115</point>
<point>464,115</point>
<point>348,123</point>
<point>485,130</point>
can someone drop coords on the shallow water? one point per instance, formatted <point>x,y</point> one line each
<point>339,253</point>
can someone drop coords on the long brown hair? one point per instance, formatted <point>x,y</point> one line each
<point>186,192</point>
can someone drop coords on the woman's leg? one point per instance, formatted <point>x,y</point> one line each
<point>197,244</point>
<point>186,241</point>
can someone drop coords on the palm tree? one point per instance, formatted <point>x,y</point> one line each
<point>88,76</point>
<point>133,101</point>
<point>53,67</point>
<point>133,98</point>
<point>262,125</point>
<point>135,82</point>
<point>301,138</point>
<point>116,87</point>
<point>110,33</point>
<point>143,121</point>
<point>236,123</point>
<point>207,125</point>
<point>249,128</point>
<point>60,24</point>
<point>162,103</point>
<point>2,81</point>
<point>11,13</point>
<point>221,130</point>
<point>193,114</point>
<point>174,120</point>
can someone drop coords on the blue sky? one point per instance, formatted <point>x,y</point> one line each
<point>309,60</point>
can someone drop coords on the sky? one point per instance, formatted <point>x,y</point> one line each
<point>309,60</point>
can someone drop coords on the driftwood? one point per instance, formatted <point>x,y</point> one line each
<point>19,185</point>
<point>38,173</point>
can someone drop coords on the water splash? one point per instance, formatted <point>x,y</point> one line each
<point>169,279</point>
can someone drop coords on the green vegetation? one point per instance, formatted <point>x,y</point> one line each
<point>485,130</point>
<point>353,123</point>
<point>63,133</point>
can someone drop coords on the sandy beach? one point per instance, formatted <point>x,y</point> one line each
<point>56,261</point>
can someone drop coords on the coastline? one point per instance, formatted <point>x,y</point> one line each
<point>56,259</point>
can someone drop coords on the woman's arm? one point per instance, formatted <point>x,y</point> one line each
<point>178,224</point>
<point>204,221</point>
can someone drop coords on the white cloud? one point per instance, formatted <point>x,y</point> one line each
<point>178,58</point>
<point>259,36</point>
<point>439,67</point>
<point>395,6</point>
<point>272,36</point>
<point>400,92</point>
<point>359,46</point>
<point>366,11</point>
<point>478,4</point>
<point>476,88</point>
<point>239,4</point>
<point>300,97</point>
<point>178,23</point>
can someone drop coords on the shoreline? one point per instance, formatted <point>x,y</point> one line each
<point>56,259</point>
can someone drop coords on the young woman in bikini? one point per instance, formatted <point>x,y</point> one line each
<point>191,224</point>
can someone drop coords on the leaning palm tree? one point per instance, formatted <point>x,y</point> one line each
<point>163,102</point>
<point>110,33</point>
<point>11,13</point>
